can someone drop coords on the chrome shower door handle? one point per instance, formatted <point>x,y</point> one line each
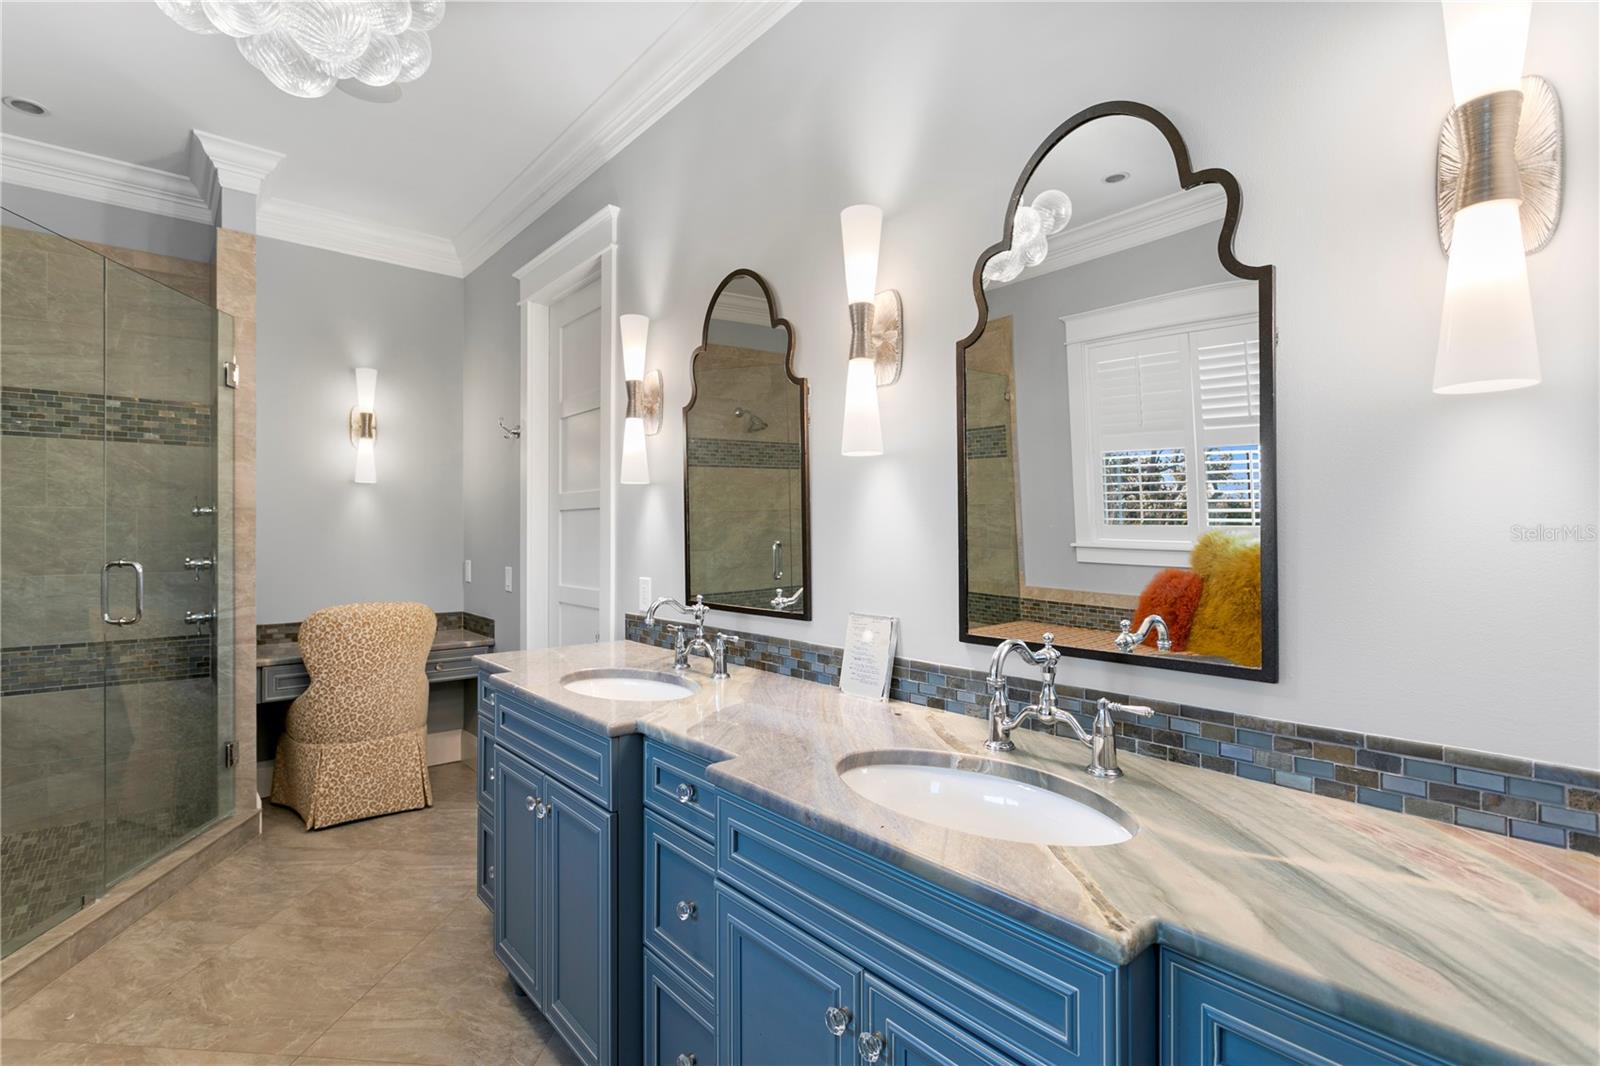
<point>777,560</point>
<point>105,592</point>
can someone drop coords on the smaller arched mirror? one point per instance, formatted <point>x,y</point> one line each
<point>746,484</point>
<point>1116,411</point>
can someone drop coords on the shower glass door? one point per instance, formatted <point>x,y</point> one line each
<point>115,692</point>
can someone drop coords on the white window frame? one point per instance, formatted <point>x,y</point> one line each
<point>1189,310</point>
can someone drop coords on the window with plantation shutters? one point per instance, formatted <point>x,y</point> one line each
<point>1165,408</point>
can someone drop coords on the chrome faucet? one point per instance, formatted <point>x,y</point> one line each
<point>1101,737</point>
<point>780,602</point>
<point>683,647</point>
<point>1127,641</point>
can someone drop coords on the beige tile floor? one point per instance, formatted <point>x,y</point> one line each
<point>364,943</point>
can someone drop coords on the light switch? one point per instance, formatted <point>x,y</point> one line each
<point>466,572</point>
<point>508,579</point>
<point>644,594</point>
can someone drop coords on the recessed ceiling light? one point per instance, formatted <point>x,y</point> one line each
<point>27,107</point>
<point>1112,179</point>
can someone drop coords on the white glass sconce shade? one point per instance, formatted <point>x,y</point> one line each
<point>861,227</point>
<point>863,432</point>
<point>1486,44</point>
<point>635,461</point>
<point>635,332</point>
<point>643,415</point>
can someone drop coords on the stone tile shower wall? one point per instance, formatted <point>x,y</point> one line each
<point>1547,803</point>
<point>111,748</point>
<point>994,568</point>
<point>744,482</point>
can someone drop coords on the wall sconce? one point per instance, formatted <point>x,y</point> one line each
<point>364,425</point>
<point>877,348</point>
<point>1499,198</point>
<point>644,400</point>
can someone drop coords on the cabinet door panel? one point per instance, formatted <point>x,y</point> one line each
<point>519,872</point>
<point>680,901</point>
<point>486,769</point>
<point>486,859</point>
<point>679,1026</point>
<point>775,987</point>
<point>580,928</point>
<point>912,1035</point>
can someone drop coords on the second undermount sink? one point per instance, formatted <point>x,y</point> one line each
<point>621,683</point>
<point>987,798</point>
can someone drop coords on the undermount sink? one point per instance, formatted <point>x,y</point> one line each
<point>621,683</point>
<point>987,798</point>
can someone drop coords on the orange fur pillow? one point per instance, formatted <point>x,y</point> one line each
<point>1174,595</point>
<point>1228,622</point>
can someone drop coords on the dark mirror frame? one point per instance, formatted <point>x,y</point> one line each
<point>1267,330</point>
<point>805,446</point>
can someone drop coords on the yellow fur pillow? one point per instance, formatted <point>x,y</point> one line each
<point>1227,624</point>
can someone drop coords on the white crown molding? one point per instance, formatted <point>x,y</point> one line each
<point>693,48</point>
<point>37,165</point>
<point>217,163</point>
<point>572,254</point>
<point>287,220</point>
<point>741,307</point>
<point>1141,224</point>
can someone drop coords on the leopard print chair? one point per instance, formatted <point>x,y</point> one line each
<point>355,744</point>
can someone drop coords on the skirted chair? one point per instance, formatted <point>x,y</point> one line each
<point>356,742</point>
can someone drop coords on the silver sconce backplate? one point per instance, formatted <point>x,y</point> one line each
<point>1539,157</point>
<point>645,401</point>
<point>363,424</point>
<point>888,337</point>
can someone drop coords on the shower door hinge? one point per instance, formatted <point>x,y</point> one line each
<point>230,373</point>
<point>228,756</point>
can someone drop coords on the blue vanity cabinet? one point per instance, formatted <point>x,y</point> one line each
<point>1211,1016</point>
<point>782,996</point>
<point>563,872</point>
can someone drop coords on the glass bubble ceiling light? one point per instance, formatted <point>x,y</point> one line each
<point>306,47</point>
<point>1031,230</point>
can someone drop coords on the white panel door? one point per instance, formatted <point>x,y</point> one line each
<point>575,467</point>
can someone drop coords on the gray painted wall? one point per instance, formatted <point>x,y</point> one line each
<point>321,538</point>
<point>1037,305</point>
<point>85,220</point>
<point>753,168</point>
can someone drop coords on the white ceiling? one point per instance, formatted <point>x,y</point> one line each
<point>514,90</point>
<point>1115,144</point>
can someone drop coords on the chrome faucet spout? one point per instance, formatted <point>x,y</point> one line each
<point>1127,640</point>
<point>1001,720</point>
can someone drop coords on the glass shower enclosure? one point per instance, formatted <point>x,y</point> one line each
<point>116,564</point>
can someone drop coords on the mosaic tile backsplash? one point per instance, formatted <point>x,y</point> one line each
<point>1543,802</point>
<point>29,412</point>
<point>30,668</point>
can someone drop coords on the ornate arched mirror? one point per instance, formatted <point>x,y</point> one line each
<point>747,507</point>
<point>1116,411</point>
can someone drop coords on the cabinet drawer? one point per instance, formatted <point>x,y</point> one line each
<point>486,699</point>
<point>579,759</point>
<point>907,1033</point>
<point>486,876</point>
<point>486,769</point>
<point>680,1026</point>
<point>451,664</point>
<point>675,784</point>
<point>283,682</point>
<point>680,873</point>
<point>1030,996</point>
<point>1213,1017</point>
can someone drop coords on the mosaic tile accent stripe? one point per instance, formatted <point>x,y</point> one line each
<point>32,668</point>
<point>1544,802</point>
<point>761,454</point>
<point>278,632</point>
<point>988,442</point>
<point>987,609</point>
<point>28,412</point>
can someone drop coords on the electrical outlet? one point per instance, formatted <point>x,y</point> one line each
<point>644,594</point>
<point>508,579</point>
<point>466,572</point>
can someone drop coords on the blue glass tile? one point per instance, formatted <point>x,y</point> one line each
<point>1374,798</point>
<point>1404,784</point>
<point>1283,777</point>
<point>1314,767</point>
<point>1543,791</point>
<point>1238,751</point>
<point>1478,820</point>
<point>1430,771</point>
<point>1255,773</point>
<point>1584,820</point>
<point>1255,739</point>
<point>1480,779</point>
<point>1183,725</point>
<point>1543,834</point>
<point>1201,744</point>
<point>1155,721</point>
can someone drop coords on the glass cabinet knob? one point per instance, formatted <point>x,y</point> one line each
<point>686,909</point>
<point>491,773</point>
<point>544,809</point>
<point>837,1020</point>
<point>533,801</point>
<point>687,1059</point>
<point>491,873</point>
<point>870,1045</point>
<point>685,793</point>
<point>491,699</point>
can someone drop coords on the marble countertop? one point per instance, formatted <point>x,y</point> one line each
<point>278,652</point>
<point>1444,937</point>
